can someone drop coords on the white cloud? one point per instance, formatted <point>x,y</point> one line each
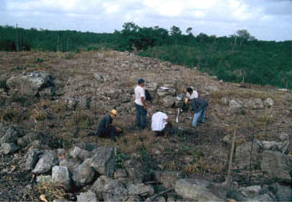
<point>220,17</point>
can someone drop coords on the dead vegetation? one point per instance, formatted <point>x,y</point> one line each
<point>195,152</point>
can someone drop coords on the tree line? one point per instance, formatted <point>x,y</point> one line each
<point>236,58</point>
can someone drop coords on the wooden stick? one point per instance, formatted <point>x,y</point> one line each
<point>230,160</point>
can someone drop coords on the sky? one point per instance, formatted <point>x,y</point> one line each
<point>264,19</point>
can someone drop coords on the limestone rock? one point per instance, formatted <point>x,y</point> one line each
<point>61,174</point>
<point>104,161</point>
<point>32,156</point>
<point>83,174</point>
<point>168,101</point>
<point>283,136</point>
<point>10,134</point>
<point>242,154</point>
<point>30,84</point>
<point>109,189</point>
<point>28,138</point>
<point>141,189</point>
<point>272,145</point>
<point>132,170</point>
<point>283,193</point>
<point>70,163</point>
<point>234,105</point>
<point>8,148</point>
<point>255,104</point>
<point>168,178</point>
<point>81,154</point>
<point>198,190</point>
<point>120,173</point>
<point>46,162</point>
<point>269,102</point>
<point>211,88</point>
<point>87,197</point>
<point>277,165</point>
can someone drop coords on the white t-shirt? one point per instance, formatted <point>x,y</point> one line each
<point>139,92</point>
<point>193,95</point>
<point>158,121</point>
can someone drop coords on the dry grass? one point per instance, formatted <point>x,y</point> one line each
<point>51,190</point>
<point>11,114</point>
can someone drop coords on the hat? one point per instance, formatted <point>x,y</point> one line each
<point>114,112</point>
<point>140,81</point>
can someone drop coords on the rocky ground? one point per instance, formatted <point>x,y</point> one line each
<point>50,103</point>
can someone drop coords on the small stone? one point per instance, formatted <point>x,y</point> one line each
<point>8,148</point>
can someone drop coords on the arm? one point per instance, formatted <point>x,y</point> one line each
<point>144,103</point>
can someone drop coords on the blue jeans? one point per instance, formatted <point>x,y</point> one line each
<point>140,116</point>
<point>201,114</point>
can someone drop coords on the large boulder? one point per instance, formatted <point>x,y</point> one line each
<point>46,162</point>
<point>277,165</point>
<point>30,84</point>
<point>198,190</point>
<point>243,155</point>
<point>109,189</point>
<point>83,174</point>
<point>61,175</point>
<point>103,161</point>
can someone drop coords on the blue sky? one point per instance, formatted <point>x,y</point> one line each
<point>264,19</point>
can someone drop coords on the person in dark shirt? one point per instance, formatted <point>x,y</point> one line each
<point>199,106</point>
<point>106,129</point>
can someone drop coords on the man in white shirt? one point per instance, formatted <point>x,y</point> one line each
<point>140,103</point>
<point>160,124</point>
<point>190,95</point>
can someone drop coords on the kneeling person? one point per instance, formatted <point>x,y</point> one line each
<point>160,124</point>
<point>106,128</point>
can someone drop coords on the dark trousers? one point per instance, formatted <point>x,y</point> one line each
<point>110,132</point>
<point>140,116</point>
<point>165,130</point>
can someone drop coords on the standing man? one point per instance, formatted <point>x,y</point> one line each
<point>106,129</point>
<point>199,106</point>
<point>140,103</point>
<point>160,124</point>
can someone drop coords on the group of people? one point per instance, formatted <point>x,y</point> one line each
<point>160,123</point>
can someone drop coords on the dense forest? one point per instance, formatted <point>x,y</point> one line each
<point>236,58</point>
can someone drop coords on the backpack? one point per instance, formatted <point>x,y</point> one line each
<point>147,96</point>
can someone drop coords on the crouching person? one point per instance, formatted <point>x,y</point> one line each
<point>199,106</point>
<point>160,124</point>
<point>106,129</point>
